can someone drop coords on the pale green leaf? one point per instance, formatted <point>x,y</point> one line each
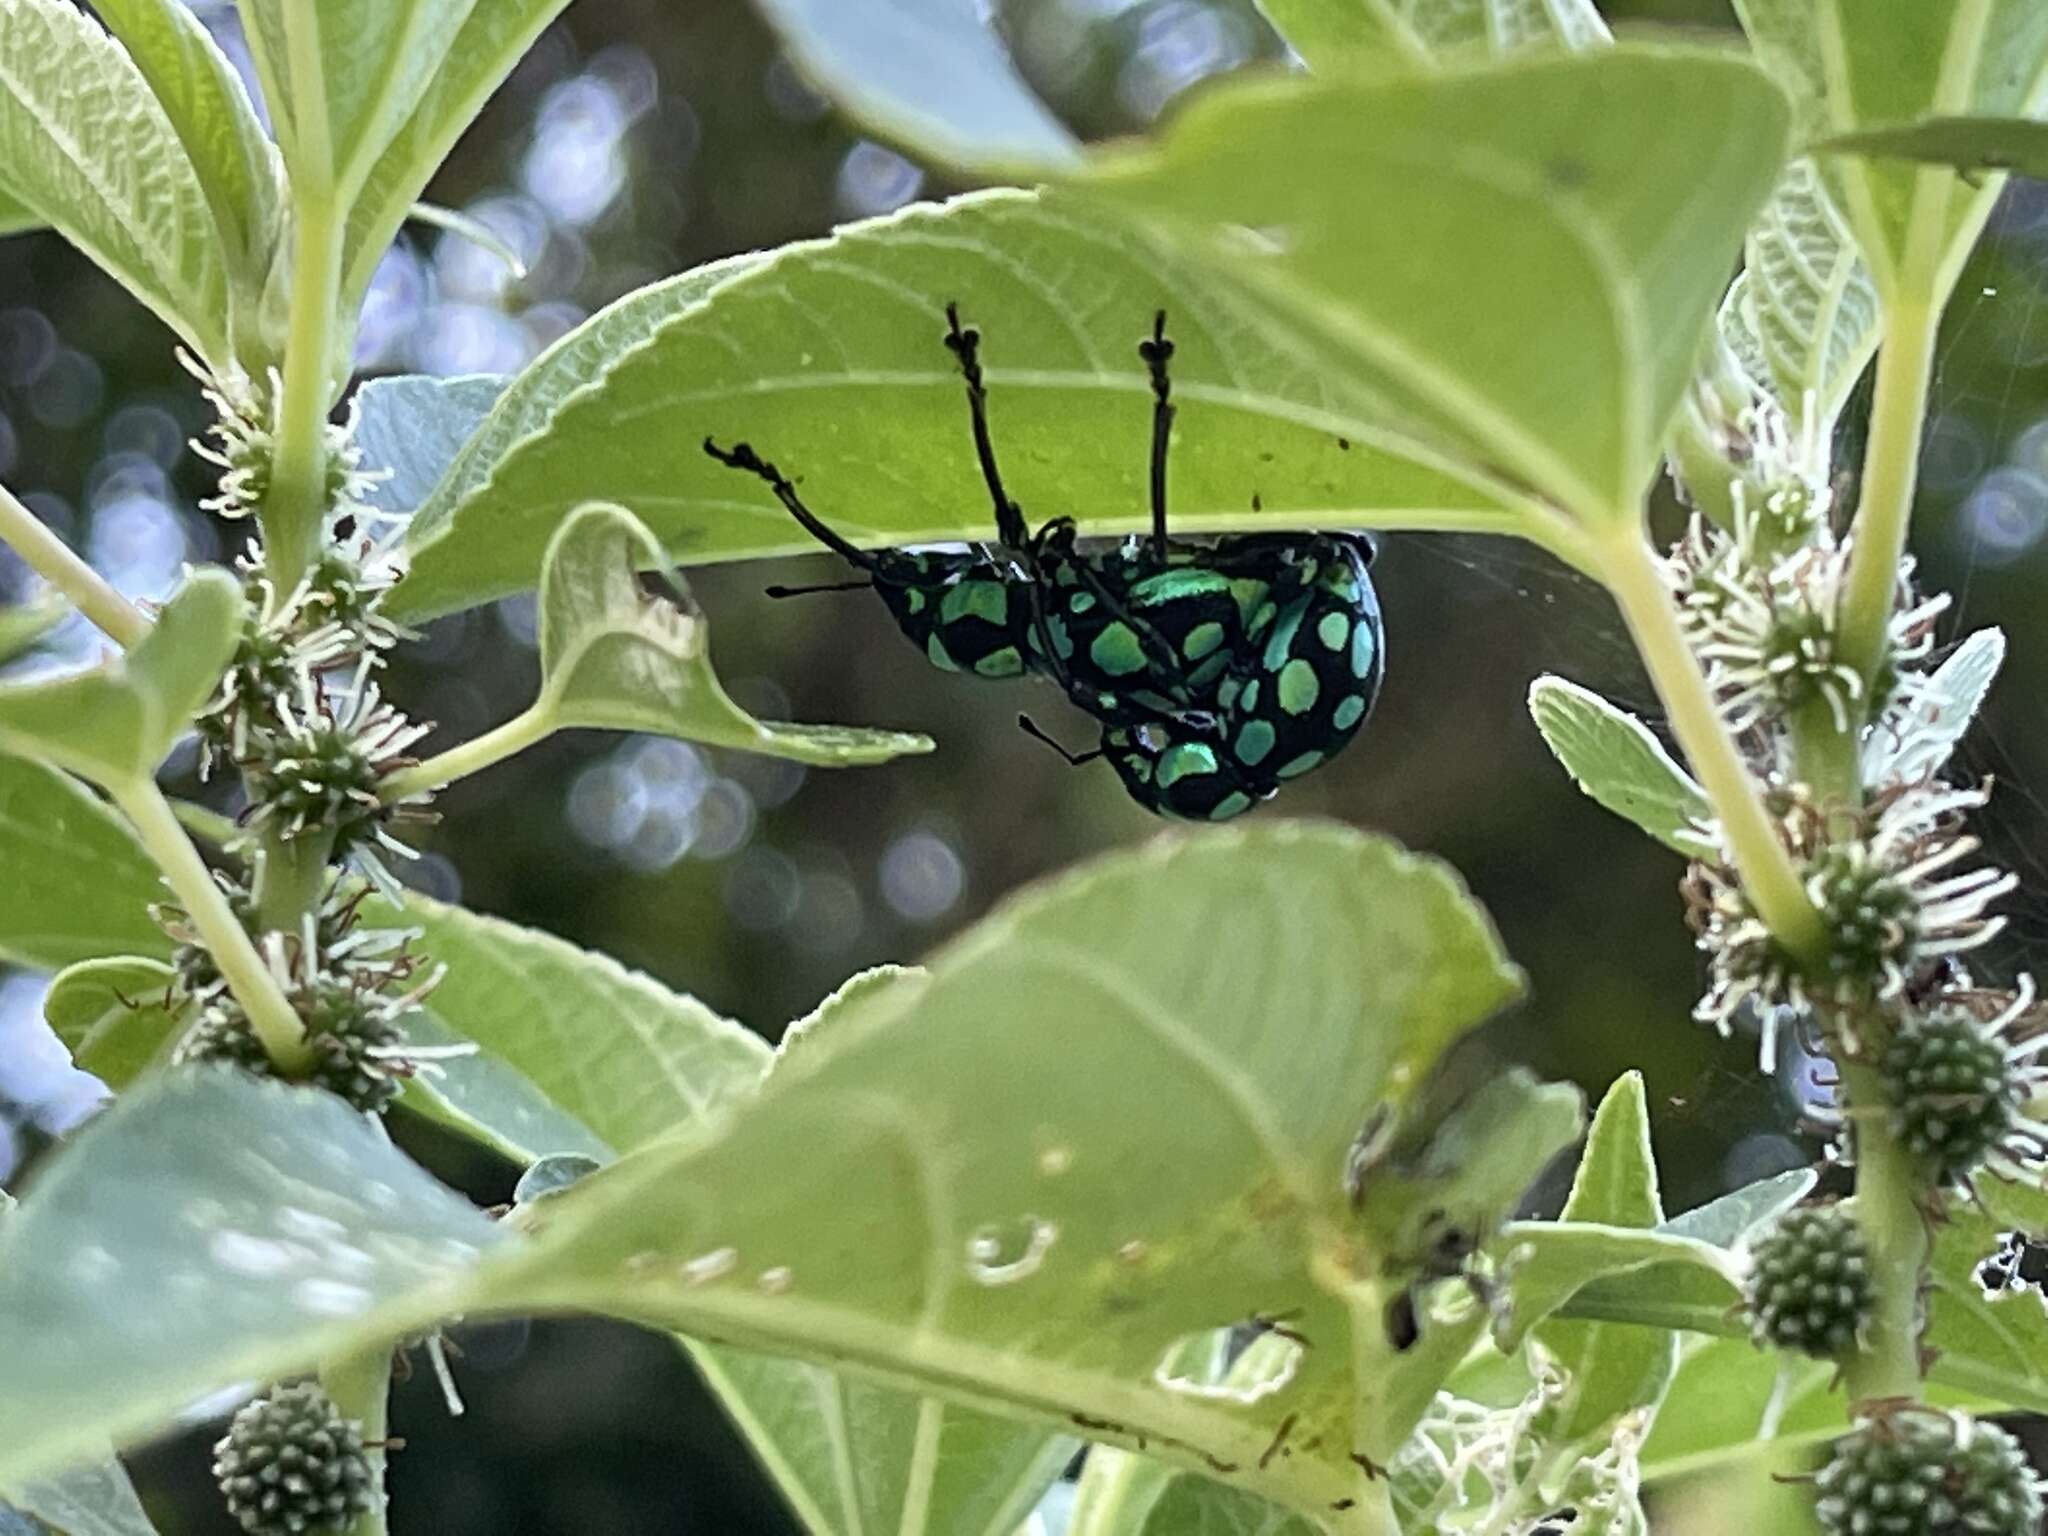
<point>113,1015</point>
<point>1728,1219</point>
<point>78,885</point>
<point>1943,708</point>
<point>1610,1370</point>
<point>409,428</point>
<point>614,656</point>
<point>341,79</point>
<point>1996,1345</point>
<point>1860,65</point>
<point>94,1498</point>
<point>492,38</point>
<point>209,1228</point>
<point>856,988</point>
<point>1807,300</point>
<point>849,1455</point>
<point>1613,1274</point>
<point>977,1183</point>
<point>234,160</point>
<point>1333,33</point>
<point>2019,145</point>
<point>1579,215</point>
<point>1613,757</point>
<point>827,357</point>
<point>929,74</point>
<point>115,722</point>
<point>576,362</point>
<point>23,625</point>
<point>85,146</point>
<point>16,217</point>
<point>608,1049</point>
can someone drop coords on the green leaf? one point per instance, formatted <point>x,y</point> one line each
<point>852,1456</point>
<point>1994,1345</point>
<point>2015,144</point>
<point>610,1051</point>
<point>929,74</point>
<point>233,159</point>
<point>115,722</point>
<point>1332,33</point>
<point>1728,1219</point>
<point>78,885</point>
<point>1805,296</point>
<point>113,1015</point>
<point>1856,66</point>
<point>1740,1402</point>
<point>209,1228</point>
<point>16,217</point>
<point>91,1499</point>
<point>1579,214</point>
<point>1944,707</point>
<point>856,988</point>
<point>492,38</point>
<point>1613,757</point>
<point>971,1184</point>
<point>86,148</point>
<point>613,656</point>
<point>342,78</point>
<point>410,426</point>
<point>23,625</point>
<point>1610,1370</point>
<point>827,356</point>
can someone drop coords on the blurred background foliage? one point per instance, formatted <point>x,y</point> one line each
<point>641,138</point>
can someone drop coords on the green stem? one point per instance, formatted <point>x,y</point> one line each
<point>292,513</point>
<point>48,556</point>
<point>479,752</point>
<point>1888,1362</point>
<point>360,1385</point>
<point>291,877</point>
<point>1891,464</point>
<point>1760,856</point>
<point>270,1013</point>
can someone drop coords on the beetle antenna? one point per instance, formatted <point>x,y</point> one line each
<point>965,345</point>
<point>823,586</point>
<point>1074,760</point>
<point>741,456</point>
<point>1155,351</point>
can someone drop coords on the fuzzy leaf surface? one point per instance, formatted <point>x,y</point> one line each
<point>86,148</point>
<point>410,426</point>
<point>1331,33</point>
<point>112,1015</point>
<point>1612,756</point>
<point>115,722</point>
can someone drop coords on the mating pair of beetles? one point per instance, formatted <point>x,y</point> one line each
<point>1216,671</point>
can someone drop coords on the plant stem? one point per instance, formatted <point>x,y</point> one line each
<point>48,556</point>
<point>1747,831</point>
<point>1888,1362</point>
<point>292,512</point>
<point>270,1013</point>
<point>530,725</point>
<point>1891,463</point>
<point>291,877</point>
<point>360,1385</point>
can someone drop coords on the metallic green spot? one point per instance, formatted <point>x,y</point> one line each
<point>1236,803</point>
<point>1141,768</point>
<point>1226,692</point>
<point>1249,592</point>
<point>1362,649</point>
<point>1062,640</point>
<point>1280,644</point>
<point>1251,694</point>
<point>1117,652</point>
<point>935,648</point>
<point>1182,581</point>
<point>1254,741</point>
<point>1081,602</point>
<point>1003,663</point>
<point>1261,619</point>
<point>1202,676</point>
<point>1348,713</point>
<point>1201,640</point>
<point>981,599</point>
<point>1298,687</point>
<point>1188,757</point>
<point>913,600</point>
<point>1334,631</point>
<point>1300,765</point>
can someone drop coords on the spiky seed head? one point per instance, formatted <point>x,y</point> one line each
<point>356,1037</point>
<point>291,1465</point>
<point>1809,1287</point>
<point>1958,1077</point>
<point>1871,916</point>
<point>1915,1472</point>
